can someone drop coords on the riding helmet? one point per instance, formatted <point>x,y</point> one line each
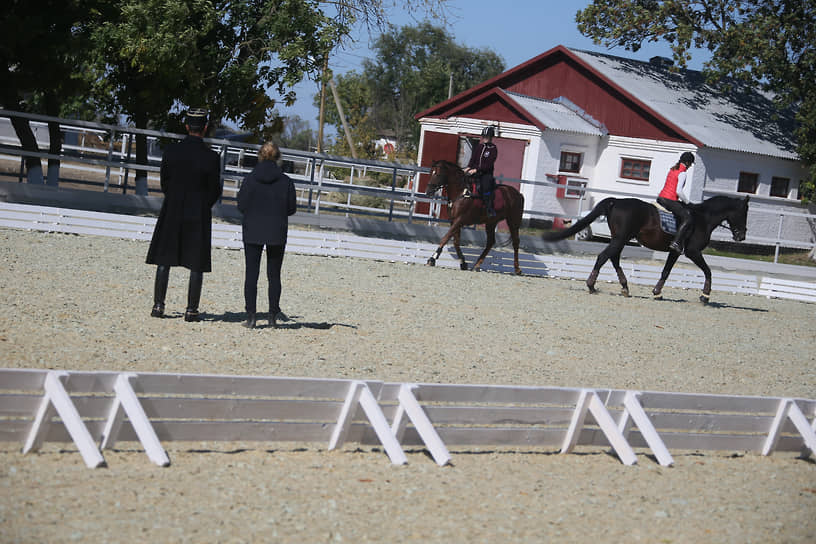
<point>488,132</point>
<point>687,158</point>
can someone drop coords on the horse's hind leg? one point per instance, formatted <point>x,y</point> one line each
<point>614,249</point>
<point>664,275</point>
<point>514,235</point>
<point>621,276</point>
<point>490,230</point>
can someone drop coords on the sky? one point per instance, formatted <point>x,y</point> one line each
<point>517,30</point>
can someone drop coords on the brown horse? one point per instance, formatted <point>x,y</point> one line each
<point>632,218</point>
<point>465,209</point>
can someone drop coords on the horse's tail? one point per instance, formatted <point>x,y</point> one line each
<point>602,208</point>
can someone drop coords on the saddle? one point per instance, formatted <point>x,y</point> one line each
<point>668,222</point>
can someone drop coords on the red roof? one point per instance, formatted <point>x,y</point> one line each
<point>561,73</point>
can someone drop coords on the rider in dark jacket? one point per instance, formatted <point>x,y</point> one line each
<point>481,167</point>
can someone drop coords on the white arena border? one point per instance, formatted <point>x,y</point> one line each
<point>94,410</point>
<point>337,244</point>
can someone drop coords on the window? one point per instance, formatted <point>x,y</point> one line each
<point>779,187</point>
<point>635,169</point>
<point>747,183</point>
<point>570,162</point>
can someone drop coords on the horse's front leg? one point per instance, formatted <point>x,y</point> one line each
<point>697,258</point>
<point>490,230</point>
<point>451,231</point>
<point>664,275</point>
<point>456,238</point>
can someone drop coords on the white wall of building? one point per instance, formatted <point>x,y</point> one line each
<point>713,171</point>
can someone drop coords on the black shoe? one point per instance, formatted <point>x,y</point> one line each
<point>277,317</point>
<point>675,246</point>
<point>157,311</point>
<point>250,322</point>
<point>192,316</point>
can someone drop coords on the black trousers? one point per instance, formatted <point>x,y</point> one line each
<point>274,262</point>
<point>681,212</point>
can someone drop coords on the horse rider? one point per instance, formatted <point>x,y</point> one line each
<point>675,196</point>
<point>481,167</point>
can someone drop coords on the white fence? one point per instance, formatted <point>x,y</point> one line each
<point>348,245</point>
<point>94,410</point>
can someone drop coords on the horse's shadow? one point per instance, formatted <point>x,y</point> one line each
<point>290,323</point>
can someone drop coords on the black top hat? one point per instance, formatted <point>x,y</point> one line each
<point>196,118</point>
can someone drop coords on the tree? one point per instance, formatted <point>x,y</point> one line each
<point>412,70</point>
<point>767,43</point>
<point>44,42</point>
<point>297,134</point>
<point>155,56</point>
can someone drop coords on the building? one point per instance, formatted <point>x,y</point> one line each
<point>616,126</point>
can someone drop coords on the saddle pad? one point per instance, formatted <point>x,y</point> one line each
<point>667,221</point>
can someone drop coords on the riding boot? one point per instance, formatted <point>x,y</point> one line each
<point>160,290</point>
<point>488,200</point>
<point>678,244</point>
<point>193,296</point>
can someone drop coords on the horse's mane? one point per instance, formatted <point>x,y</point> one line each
<point>718,203</point>
<point>443,162</point>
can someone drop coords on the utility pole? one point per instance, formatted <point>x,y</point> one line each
<point>342,117</point>
<point>322,103</point>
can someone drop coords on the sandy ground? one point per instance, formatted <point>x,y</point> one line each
<point>82,303</point>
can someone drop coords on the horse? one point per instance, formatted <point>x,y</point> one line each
<point>464,209</point>
<point>632,218</point>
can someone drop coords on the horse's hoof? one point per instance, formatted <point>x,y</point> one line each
<point>518,272</point>
<point>625,292</point>
<point>463,266</point>
<point>431,262</point>
<point>592,290</point>
<point>657,296</point>
<point>704,299</point>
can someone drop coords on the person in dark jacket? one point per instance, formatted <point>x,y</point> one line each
<point>190,181</point>
<point>266,199</point>
<point>480,167</point>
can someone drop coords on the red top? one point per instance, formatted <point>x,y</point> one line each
<point>670,188</point>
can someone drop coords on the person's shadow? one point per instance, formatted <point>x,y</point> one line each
<point>291,322</point>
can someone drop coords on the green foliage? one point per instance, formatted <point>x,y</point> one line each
<point>411,72</point>
<point>768,44</point>
<point>44,48</point>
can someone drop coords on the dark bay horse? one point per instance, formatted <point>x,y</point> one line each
<point>464,209</point>
<point>632,218</point>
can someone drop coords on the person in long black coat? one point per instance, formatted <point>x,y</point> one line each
<point>266,199</point>
<point>190,181</point>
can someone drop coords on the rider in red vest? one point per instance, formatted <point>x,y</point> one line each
<point>674,191</point>
<point>481,167</point>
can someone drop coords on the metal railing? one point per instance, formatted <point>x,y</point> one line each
<point>325,183</point>
<point>105,154</point>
